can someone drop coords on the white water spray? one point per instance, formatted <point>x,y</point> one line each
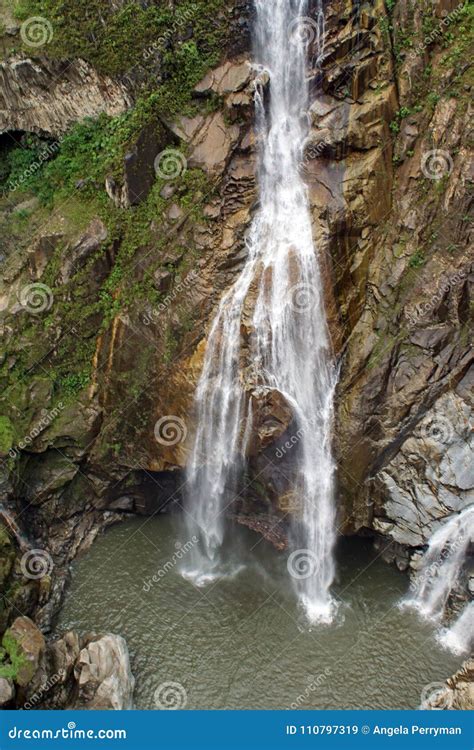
<point>459,638</point>
<point>441,565</point>
<point>277,301</point>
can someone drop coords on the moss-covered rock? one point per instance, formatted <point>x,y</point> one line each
<point>7,435</point>
<point>23,647</point>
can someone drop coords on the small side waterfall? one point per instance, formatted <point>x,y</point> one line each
<point>441,565</point>
<point>439,572</point>
<point>278,300</point>
<point>460,636</point>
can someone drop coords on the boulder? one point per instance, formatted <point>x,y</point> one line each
<point>25,644</point>
<point>458,693</point>
<point>77,255</point>
<point>271,415</point>
<point>226,79</point>
<point>103,675</point>
<point>7,691</point>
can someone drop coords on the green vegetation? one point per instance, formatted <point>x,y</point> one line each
<point>7,434</point>
<point>402,113</point>
<point>87,153</point>
<point>162,52</point>
<point>12,660</point>
<point>417,260</point>
<point>136,39</point>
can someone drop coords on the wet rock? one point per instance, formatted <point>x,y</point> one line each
<point>458,695</point>
<point>103,675</point>
<point>431,476</point>
<point>271,415</point>
<point>272,529</point>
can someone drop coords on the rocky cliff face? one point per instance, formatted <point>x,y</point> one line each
<point>108,294</point>
<point>47,97</point>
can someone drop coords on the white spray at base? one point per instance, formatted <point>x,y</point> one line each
<point>459,638</point>
<point>438,575</point>
<point>279,292</point>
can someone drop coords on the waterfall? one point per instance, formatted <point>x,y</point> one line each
<point>441,565</point>
<point>459,638</point>
<point>277,299</point>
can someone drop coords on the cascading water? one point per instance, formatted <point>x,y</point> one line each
<point>459,638</point>
<point>441,565</point>
<point>279,293</point>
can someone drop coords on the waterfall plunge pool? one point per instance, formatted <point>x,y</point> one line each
<point>241,641</point>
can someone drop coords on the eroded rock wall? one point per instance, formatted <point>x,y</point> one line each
<point>393,241</point>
